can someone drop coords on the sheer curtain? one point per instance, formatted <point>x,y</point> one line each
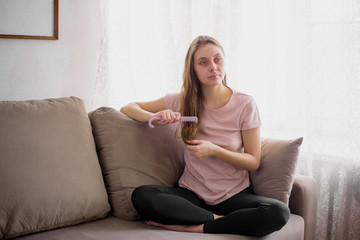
<point>299,59</point>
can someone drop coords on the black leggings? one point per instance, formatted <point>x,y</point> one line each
<point>245,213</point>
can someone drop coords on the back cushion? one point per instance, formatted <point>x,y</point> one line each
<point>133,154</point>
<point>275,176</point>
<point>49,171</point>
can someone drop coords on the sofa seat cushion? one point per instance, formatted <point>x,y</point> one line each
<point>49,171</point>
<point>113,228</point>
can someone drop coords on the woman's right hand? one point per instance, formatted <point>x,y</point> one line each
<point>167,116</point>
<point>143,111</point>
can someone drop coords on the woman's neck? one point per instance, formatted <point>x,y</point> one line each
<point>216,96</point>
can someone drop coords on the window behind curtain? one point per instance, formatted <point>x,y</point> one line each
<point>300,60</point>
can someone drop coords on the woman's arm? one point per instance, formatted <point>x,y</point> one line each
<point>249,160</point>
<point>145,110</point>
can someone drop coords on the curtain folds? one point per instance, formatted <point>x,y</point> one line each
<point>101,89</point>
<point>299,59</point>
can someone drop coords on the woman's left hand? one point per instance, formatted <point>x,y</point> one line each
<point>201,149</point>
<point>248,160</point>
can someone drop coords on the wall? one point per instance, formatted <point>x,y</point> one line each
<point>38,69</point>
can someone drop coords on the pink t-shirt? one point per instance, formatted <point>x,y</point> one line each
<point>212,179</point>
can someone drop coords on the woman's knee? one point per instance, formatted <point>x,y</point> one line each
<point>280,214</point>
<point>142,195</point>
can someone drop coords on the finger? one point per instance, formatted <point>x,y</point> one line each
<point>191,147</point>
<point>163,120</point>
<point>166,115</point>
<point>173,117</point>
<point>194,142</point>
<point>178,116</point>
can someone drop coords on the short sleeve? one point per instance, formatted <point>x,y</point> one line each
<point>250,115</point>
<point>172,101</point>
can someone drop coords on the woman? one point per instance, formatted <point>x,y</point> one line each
<point>214,194</point>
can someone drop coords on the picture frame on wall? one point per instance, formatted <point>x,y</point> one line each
<point>29,19</point>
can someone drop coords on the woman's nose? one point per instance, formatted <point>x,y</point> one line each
<point>212,67</point>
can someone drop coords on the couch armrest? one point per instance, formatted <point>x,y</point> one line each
<point>303,201</point>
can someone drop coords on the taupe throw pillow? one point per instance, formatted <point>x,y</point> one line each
<point>133,154</point>
<point>49,172</point>
<point>275,176</point>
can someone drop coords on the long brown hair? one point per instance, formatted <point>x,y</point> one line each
<point>191,95</point>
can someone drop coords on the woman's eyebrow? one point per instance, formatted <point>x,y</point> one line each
<point>200,58</point>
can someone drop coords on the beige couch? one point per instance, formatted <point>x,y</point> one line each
<point>69,174</point>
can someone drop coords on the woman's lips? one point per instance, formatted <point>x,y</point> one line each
<point>214,76</point>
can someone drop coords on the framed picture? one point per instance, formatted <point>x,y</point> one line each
<point>29,19</point>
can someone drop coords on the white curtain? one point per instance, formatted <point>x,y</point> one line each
<point>299,59</point>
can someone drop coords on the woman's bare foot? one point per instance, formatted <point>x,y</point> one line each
<point>179,228</point>
<point>217,216</point>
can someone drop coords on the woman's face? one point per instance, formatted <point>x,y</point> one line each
<point>209,65</point>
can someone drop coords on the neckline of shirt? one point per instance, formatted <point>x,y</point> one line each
<point>222,107</point>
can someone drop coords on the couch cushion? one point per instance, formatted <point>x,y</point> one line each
<point>133,154</point>
<point>111,228</point>
<point>275,176</point>
<point>49,171</point>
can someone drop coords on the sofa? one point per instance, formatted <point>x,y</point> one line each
<point>66,173</point>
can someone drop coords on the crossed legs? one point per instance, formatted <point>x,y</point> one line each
<point>179,209</point>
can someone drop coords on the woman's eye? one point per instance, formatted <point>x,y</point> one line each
<point>218,59</point>
<point>202,63</point>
